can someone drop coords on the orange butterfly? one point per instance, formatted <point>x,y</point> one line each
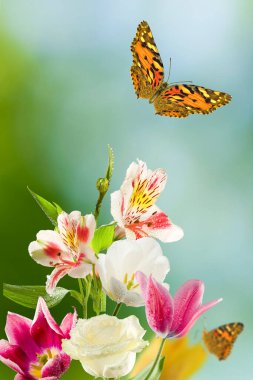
<point>220,340</point>
<point>178,100</point>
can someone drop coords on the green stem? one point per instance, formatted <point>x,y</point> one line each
<point>83,297</point>
<point>98,205</point>
<point>156,360</point>
<point>116,310</point>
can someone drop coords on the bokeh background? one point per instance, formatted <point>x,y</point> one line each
<point>66,92</point>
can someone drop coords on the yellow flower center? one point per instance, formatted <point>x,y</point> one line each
<point>36,368</point>
<point>130,282</point>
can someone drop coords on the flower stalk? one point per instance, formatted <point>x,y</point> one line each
<point>156,360</point>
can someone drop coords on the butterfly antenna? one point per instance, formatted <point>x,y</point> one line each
<point>167,81</point>
<point>182,81</point>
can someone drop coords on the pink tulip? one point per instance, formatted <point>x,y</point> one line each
<point>168,317</point>
<point>33,348</point>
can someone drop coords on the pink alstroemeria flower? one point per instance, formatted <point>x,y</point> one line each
<point>33,348</point>
<point>168,317</point>
<point>133,208</point>
<point>68,250</point>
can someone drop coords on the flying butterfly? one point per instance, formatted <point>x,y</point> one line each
<point>220,340</point>
<point>178,100</point>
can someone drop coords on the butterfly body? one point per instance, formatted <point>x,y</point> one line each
<point>178,100</point>
<point>220,340</point>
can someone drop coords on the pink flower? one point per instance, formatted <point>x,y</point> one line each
<point>33,348</point>
<point>168,317</point>
<point>133,208</point>
<point>68,250</point>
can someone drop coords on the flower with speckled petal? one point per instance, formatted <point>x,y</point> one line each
<point>68,250</point>
<point>133,206</point>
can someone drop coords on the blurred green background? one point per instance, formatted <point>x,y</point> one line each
<point>66,92</point>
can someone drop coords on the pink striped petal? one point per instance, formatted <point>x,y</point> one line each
<point>187,300</point>
<point>159,306</point>
<point>22,377</point>
<point>195,316</point>
<point>68,323</point>
<point>52,280</point>
<point>44,330</point>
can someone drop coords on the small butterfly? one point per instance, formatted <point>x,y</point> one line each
<point>178,100</point>
<point>220,340</point>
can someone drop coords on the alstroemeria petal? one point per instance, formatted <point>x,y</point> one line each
<point>68,323</point>
<point>67,224</point>
<point>56,366</point>
<point>52,280</point>
<point>46,249</point>
<point>187,300</point>
<point>44,329</point>
<point>159,307</point>
<point>117,207</point>
<point>85,232</point>
<point>13,356</point>
<point>202,309</point>
<point>18,333</point>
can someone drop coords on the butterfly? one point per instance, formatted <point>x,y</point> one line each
<point>220,340</point>
<point>178,100</point>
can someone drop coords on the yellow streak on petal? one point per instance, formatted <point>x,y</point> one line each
<point>181,359</point>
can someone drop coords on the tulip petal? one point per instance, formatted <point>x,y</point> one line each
<point>187,300</point>
<point>195,316</point>
<point>44,329</point>
<point>159,307</point>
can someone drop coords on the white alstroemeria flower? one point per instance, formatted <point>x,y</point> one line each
<point>133,206</point>
<point>68,250</point>
<point>106,346</point>
<point>123,259</point>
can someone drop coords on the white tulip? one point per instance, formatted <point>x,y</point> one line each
<point>124,258</point>
<point>106,346</point>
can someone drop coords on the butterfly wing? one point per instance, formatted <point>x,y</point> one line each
<point>220,340</point>
<point>147,70</point>
<point>182,100</point>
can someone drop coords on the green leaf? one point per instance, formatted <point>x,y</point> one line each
<point>155,374</point>
<point>103,237</point>
<point>52,210</point>
<point>110,163</point>
<point>28,295</point>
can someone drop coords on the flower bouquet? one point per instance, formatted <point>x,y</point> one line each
<point>122,261</point>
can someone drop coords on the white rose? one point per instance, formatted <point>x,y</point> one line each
<point>123,259</point>
<point>106,346</point>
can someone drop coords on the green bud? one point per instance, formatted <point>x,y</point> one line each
<point>102,185</point>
